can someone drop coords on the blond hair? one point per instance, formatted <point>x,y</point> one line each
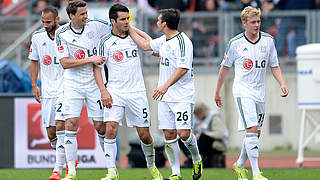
<point>249,11</point>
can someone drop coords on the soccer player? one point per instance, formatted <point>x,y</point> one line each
<point>125,92</point>
<point>250,52</point>
<point>42,52</point>
<point>175,90</point>
<point>76,47</point>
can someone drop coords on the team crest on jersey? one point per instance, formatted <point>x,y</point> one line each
<point>248,64</point>
<point>60,49</point>
<point>118,56</point>
<point>79,54</point>
<point>30,50</point>
<point>46,60</point>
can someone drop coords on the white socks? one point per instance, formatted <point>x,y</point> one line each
<point>148,150</point>
<point>243,156</point>
<point>173,153</point>
<point>71,148</point>
<point>251,145</point>
<point>101,140</point>
<point>192,146</point>
<point>110,152</point>
<point>60,152</point>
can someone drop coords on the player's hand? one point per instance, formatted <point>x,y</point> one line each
<point>98,60</point>
<point>106,99</point>
<point>159,92</point>
<point>36,94</point>
<point>285,91</point>
<point>218,100</point>
<point>197,136</point>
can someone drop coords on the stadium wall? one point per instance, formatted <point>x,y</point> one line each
<point>6,132</point>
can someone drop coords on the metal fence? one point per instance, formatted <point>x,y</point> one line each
<point>210,33</point>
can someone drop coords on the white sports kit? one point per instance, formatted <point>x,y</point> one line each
<point>178,101</point>
<point>43,50</point>
<point>123,77</point>
<point>251,61</point>
<point>79,82</point>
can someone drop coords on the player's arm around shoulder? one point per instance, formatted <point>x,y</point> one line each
<point>140,38</point>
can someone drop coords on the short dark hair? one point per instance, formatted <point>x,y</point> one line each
<point>114,9</point>
<point>171,17</point>
<point>73,6</point>
<point>50,9</point>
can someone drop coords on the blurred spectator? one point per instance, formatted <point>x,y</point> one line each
<point>40,5</point>
<point>228,5</point>
<point>205,32</point>
<point>293,28</point>
<point>267,6</point>
<point>212,134</point>
<point>205,5</point>
<point>268,24</point>
<point>252,3</point>
<point>145,7</point>
<point>182,5</point>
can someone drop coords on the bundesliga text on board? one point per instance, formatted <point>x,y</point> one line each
<point>32,147</point>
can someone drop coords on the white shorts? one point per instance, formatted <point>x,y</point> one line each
<point>134,106</point>
<point>74,99</point>
<point>58,108</point>
<point>175,115</point>
<point>251,113</point>
<point>48,112</point>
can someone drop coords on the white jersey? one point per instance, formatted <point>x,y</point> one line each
<point>251,61</point>
<point>82,44</point>
<point>43,50</point>
<point>175,53</point>
<point>122,69</point>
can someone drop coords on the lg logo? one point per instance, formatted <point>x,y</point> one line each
<point>248,64</point>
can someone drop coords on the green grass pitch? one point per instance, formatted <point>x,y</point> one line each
<point>143,174</point>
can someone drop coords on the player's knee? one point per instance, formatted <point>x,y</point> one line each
<point>184,135</point>
<point>145,137</point>
<point>60,125</point>
<point>100,127</point>
<point>170,134</point>
<point>51,135</point>
<point>111,131</point>
<point>253,129</point>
